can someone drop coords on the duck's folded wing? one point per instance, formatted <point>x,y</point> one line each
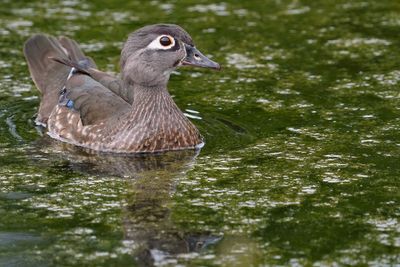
<point>112,83</point>
<point>94,102</point>
<point>109,81</point>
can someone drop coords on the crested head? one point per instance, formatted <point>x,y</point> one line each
<point>151,53</point>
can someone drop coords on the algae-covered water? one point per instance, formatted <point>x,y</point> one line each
<point>301,165</point>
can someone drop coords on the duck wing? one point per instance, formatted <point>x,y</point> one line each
<point>95,103</point>
<point>109,81</point>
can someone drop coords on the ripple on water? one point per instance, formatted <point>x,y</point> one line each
<point>166,7</point>
<point>12,128</point>
<point>26,12</point>
<point>357,42</point>
<point>240,61</point>
<point>357,47</point>
<point>384,227</point>
<point>93,47</point>
<point>391,19</point>
<point>13,238</point>
<point>219,9</point>
<point>119,16</point>
<point>69,13</point>
<point>193,114</point>
<point>16,26</point>
<point>387,79</point>
<point>297,11</point>
<point>75,196</point>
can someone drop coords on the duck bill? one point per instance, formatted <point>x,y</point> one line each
<point>195,58</point>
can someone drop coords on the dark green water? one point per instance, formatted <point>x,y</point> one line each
<point>302,159</point>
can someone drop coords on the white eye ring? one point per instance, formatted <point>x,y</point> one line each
<point>156,43</point>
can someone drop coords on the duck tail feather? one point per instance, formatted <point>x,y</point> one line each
<point>48,76</point>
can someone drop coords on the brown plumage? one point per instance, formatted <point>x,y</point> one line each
<point>135,113</point>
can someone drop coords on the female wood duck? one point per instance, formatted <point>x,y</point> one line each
<point>135,113</point>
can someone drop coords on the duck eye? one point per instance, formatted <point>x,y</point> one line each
<point>165,41</point>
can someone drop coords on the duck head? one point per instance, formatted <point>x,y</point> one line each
<point>151,53</point>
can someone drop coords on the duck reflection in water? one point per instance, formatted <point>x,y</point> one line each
<point>152,180</point>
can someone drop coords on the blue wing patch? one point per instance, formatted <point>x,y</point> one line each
<point>70,104</point>
<point>64,101</point>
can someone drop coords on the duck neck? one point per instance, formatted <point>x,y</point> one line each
<point>144,94</point>
<point>153,102</point>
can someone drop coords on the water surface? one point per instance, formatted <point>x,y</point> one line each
<point>302,128</point>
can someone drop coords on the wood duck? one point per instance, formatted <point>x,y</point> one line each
<point>131,114</point>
